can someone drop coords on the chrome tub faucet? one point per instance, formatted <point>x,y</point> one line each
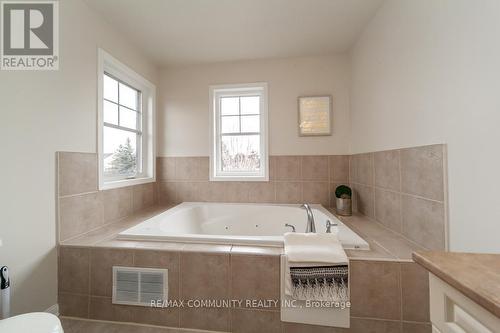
<point>311,226</point>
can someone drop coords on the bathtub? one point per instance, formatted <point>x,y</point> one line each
<point>236,224</point>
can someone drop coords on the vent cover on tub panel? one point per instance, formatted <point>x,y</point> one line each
<point>139,286</point>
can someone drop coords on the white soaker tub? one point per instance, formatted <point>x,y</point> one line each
<point>237,224</point>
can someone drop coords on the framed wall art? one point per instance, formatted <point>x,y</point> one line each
<point>315,113</point>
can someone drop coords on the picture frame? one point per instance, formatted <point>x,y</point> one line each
<point>315,115</point>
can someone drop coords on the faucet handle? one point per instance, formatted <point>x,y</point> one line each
<point>290,226</point>
<point>329,226</point>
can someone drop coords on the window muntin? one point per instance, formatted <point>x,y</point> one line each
<point>126,125</point>
<point>240,135</point>
<point>239,139</point>
<point>122,134</point>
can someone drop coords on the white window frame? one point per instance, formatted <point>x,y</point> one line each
<point>108,64</point>
<point>227,90</point>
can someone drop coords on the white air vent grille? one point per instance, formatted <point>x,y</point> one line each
<point>139,286</point>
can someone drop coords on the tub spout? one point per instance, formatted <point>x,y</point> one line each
<point>311,227</point>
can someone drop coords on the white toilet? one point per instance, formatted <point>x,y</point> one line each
<point>34,322</point>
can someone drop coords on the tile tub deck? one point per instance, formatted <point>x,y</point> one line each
<point>397,302</point>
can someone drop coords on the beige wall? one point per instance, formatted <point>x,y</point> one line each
<point>41,113</point>
<point>184,101</point>
<point>428,72</point>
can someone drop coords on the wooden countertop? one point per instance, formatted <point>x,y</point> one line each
<point>475,275</point>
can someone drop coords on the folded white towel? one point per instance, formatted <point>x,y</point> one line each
<point>316,267</point>
<point>314,248</point>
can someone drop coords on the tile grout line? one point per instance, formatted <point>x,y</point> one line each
<point>301,177</point>
<point>377,319</point>
<point>73,293</point>
<point>397,192</point>
<point>330,170</point>
<point>90,281</point>
<point>181,296</point>
<point>57,199</point>
<point>372,158</point>
<point>374,188</point>
<point>230,278</point>
<point>401,293</point>
<point>179,286</point>
<point>444,166</point>
<point>416,322</point>
<point>401,215</point>
<point>79,194</point>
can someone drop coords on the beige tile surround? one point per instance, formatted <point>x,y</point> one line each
<point>293,179</point>
<point>405,190</point>
<point>402,189</point>
<point>245,272</point>
<point>89,216</point>
<point>81,207</point>
<point>386,296</point>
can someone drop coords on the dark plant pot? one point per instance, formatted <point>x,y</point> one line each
<point>344,206</point>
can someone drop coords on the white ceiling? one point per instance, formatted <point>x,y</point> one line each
<point>173,32</point>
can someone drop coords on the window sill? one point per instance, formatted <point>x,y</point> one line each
<point>239,179</point>
<point>126,182</point>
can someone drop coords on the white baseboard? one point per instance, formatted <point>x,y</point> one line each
<point>54,309</point>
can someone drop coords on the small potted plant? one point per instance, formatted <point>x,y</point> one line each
<point>343,195</point>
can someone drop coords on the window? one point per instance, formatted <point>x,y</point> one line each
<point>125,131</point>
<point>239,132</point>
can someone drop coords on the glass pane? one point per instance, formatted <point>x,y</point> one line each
<point>229,106</point>
<point>250,105</point>
<point>241,153</point>
<point>250,123</point>
<point>128,118</point>
<point>110,113</point>
<point>230,124</point>
<point>128,96</point>
<point>110,87</point>
<point>120,153</point>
